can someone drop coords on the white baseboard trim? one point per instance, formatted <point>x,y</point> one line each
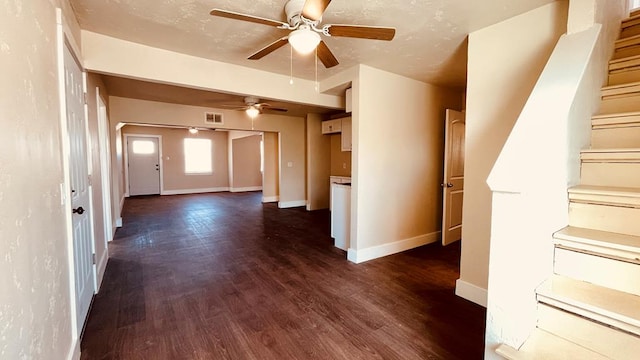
<point>118,224</point>
<point>471,292</point>
<point>248,188</point>
<point>193,191</point>
<point>101,267</point>
<point>290,204</point>
<point>374,252</point>
<point>268,199</point>
<point>74,351</point>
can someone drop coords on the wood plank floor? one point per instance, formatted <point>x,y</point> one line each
<point>222,276</point>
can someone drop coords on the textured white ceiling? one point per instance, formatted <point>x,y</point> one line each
<point>430,42</point>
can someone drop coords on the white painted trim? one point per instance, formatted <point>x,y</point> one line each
<point>290,204</point>
<point>68,37</point>
<point>74,351</point>
<point>471,292</point>
<point>248,188</point>
<point>118,223</point>
<point>374,252</point>
<point>268,199</point>
<point>122,203</point>
<point>101,267</point>
<point>194,191</point>
<point>125,154</point>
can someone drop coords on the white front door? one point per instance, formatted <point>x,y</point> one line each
<point>144,165</point>
<point>453,184</point>
<point>80,191</point>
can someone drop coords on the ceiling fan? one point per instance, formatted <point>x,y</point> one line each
<point>303,19</point>
<point>252,106</point>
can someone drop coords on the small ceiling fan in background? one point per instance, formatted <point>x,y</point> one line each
<point>303,19</point>
<point>252,106</point>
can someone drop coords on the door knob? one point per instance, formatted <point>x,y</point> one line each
<point>447,185</point>
<point>78,211</point>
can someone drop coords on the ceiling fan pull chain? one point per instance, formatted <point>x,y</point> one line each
<point>317,87</point>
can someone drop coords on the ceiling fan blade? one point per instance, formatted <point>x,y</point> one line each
<point>267,106</point>
<point>313,9</point>
<point>271,108</point>
<point>245,17</point>
<point>326,56</point>
<point>230,106</point>
<point>269,48</point>
<point>363,32</point>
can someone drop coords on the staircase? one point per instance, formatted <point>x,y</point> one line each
<point>590,307</point>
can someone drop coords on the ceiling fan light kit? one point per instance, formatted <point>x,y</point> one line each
<point>303,19</point>
<point>303,40</point>
<point>252,111</point>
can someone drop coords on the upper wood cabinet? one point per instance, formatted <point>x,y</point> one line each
<point>332,126</point>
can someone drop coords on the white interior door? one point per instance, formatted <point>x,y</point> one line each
<point>144,165</point>
<point>453,184</point>
<point>80,191</point>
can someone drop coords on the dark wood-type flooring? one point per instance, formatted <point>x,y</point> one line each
<point>222,276</point>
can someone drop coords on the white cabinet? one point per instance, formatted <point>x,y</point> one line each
<point>336,180</point>
<point>343,126</point>
<point>346,134</point>
<point>332,126</point>
<point>341,216</point>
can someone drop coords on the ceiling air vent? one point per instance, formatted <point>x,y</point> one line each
<point>213,118</point>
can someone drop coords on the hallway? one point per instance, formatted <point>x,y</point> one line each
<point>223,276</point>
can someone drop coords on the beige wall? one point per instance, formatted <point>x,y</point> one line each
<point>504,63</point>
<point>291,130</point>
<point>34,268</point>
<point>270,177</point>
<point>340,160</point>
<point>246,163</point>
<point>318,164</point>
<point>396,196</point>
<point>103,54</point>
<point>174,177</point>
<point>231,136</point>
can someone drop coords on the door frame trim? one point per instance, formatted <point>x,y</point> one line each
<point>125,150</point>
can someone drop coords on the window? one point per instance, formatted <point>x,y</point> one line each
<point>143,147</point>
<point>197,156</point>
